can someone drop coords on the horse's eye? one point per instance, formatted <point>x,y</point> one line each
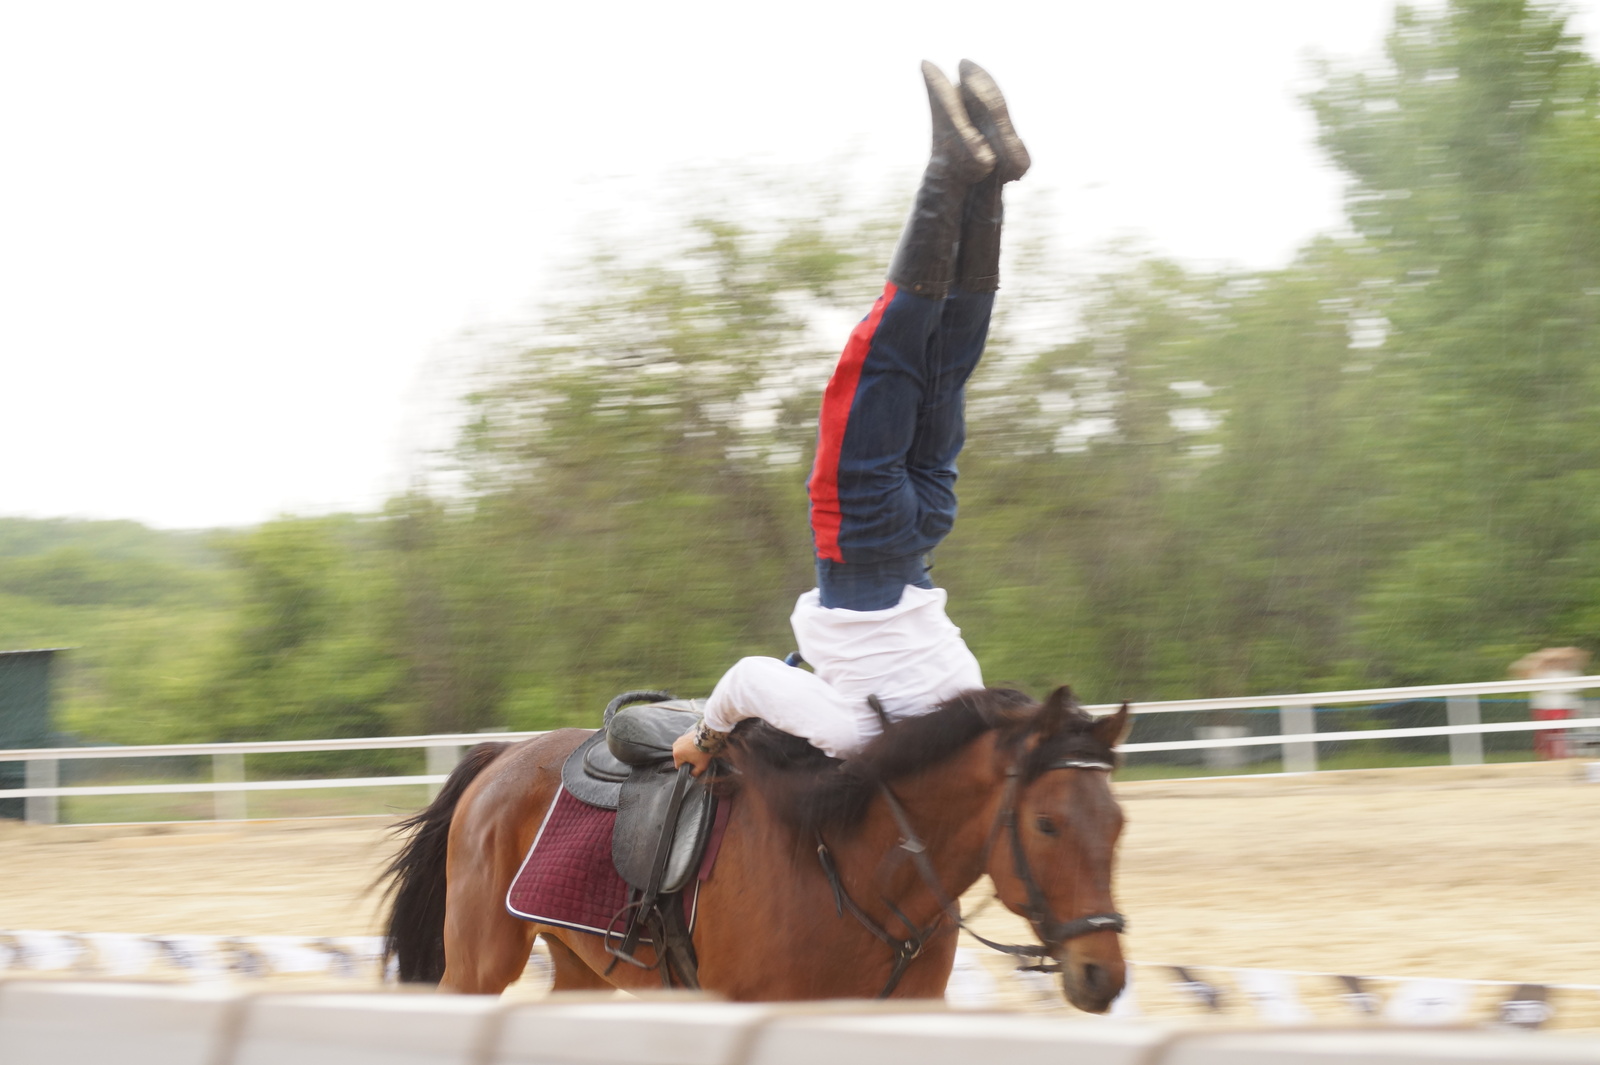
<point>1047,826</point>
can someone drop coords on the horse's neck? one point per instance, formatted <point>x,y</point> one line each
<point>951,808</point>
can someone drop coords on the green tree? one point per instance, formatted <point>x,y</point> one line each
<point>635,512</point>
<point>1467,154</point>
<point>312,652</point>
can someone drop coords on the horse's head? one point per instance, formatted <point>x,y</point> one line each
<point>1055,844</point>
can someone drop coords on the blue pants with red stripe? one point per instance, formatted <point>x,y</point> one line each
<point>893,421</point>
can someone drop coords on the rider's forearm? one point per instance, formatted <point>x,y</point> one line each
<point>725,707</point>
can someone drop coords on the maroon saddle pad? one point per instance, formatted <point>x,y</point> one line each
<point>569,880</point>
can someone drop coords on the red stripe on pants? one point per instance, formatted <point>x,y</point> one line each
<point>831,424</point>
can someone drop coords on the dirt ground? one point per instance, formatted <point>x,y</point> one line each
<point>1486,872</point>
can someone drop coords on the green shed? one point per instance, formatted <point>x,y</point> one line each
<point>24,714</point>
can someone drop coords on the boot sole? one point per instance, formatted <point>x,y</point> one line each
<point>984,100</point>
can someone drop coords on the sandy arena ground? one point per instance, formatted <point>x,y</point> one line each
<point>1486,872</point>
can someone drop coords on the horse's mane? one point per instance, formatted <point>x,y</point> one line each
<point>813,792</point>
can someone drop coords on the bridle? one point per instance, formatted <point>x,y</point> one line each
<point>1053,933</point>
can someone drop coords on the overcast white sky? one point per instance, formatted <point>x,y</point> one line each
<point>232,235</point>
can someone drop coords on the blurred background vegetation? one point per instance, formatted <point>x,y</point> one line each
<point>1374,466</point>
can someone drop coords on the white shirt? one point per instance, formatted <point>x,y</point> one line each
<point>911,656</point>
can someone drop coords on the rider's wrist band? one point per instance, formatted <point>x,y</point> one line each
<point>708,740</point>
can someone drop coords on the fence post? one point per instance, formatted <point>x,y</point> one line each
<point>229,805</point>
<point>1466,748</point>
<point>1293,721</point>
<point>440,761</point>
<point>1221,757</point>
<point>42,809</point>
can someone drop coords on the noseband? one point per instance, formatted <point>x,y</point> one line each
<point>1053,934</point>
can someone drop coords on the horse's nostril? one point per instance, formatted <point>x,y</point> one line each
<point>1095,979</point>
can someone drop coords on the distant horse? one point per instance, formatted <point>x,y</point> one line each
<point>990,782</point>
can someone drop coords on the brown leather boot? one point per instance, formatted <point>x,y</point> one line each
<point>924,262</point>
<point>986,107</point>
<point>983,214</point>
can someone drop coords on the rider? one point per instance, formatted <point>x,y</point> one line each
<point>882,484</point>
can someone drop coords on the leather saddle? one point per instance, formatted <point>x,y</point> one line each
<point>664,816</point>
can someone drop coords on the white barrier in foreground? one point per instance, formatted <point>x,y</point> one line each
<point>981,980</point>
<point>131,1024</point>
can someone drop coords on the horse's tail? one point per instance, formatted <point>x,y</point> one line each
<point>414,936</point>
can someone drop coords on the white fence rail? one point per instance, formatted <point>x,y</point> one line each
<point>89,1024</point>
<point>981,979</point>
<point>1298,739</point>
<point>228,783</point>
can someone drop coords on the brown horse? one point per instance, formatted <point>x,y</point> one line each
<point>990,781</point>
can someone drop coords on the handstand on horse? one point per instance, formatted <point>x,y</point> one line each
<point>838,878</point>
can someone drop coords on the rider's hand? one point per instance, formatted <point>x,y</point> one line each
<point>684,751</point>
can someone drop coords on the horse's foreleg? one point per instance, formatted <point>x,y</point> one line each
<point>572,973</point>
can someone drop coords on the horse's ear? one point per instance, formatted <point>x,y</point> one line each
<point>1112,729</point>
<point>1054,713</point>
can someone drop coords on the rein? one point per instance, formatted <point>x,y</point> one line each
<point>1053,933</point>
<point>906,950</point>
